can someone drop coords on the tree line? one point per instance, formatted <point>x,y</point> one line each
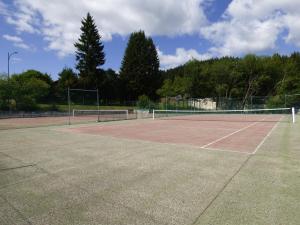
<point>270,76</point>
<point>140,77</point>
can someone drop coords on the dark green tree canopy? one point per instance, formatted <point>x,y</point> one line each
<point>236,78</point>
<point>38,75</point>
<point>89,54</point>
<point>140,67</point>
<point>67,78</point>
<point>234,82</point>
<point>110,89</point>
<point>24,90</point>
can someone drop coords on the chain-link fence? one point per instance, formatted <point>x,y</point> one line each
<point>223,103</point>
<point>88,101</point>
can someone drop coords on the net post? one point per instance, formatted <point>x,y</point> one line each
<point>73,113</point>
<point>69,103</point>
<point>153,114</point>
<point>127,116</point>
<point>293,114</point>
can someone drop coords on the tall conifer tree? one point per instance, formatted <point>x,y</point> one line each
<point>89,54</point>
<point>140,67</point>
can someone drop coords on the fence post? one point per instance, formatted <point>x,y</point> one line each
<point>98,105</point>
<point>285,100</point>
<point>69,103</point>
<point>166,102</point>
<point>293,114</point>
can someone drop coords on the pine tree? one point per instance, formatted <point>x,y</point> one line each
<point>140,67</point>
<point>89,54</point>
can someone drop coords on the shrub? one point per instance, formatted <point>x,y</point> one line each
<point>276,101</point>
<point>144,102</point>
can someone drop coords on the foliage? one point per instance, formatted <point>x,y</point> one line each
<point>236,78</point>
<point>144,102</point>
<point>89,54</point>
<point>179,86</point>
<point>65,107</point>
<point>232,81</point>
<point>37,75</point>
<point>110,88</point>
<point>34,74</point>
<point>26,90</point>
<point>4,93</point>
<point>276,101</point>
<point>67,78</point>
<point>166,89</point>
<point>140,67</point>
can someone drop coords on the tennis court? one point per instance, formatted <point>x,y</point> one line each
<point>224,132</point>
<point>176,169</point>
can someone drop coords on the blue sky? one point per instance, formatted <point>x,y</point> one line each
<point>43,32</point>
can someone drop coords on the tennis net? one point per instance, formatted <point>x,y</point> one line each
<point>102,115</point>
<point>254,115</point>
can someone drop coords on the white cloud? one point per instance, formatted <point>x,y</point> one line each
<point>235,37</point>
<point>293,22</point>
<point>247,26</point>
<point>181,56</point>
<point>23,18</point>
<point>252,26</point>
<point>17,41</point>
<point>12,38</point>
<point>59,21</point>
<point>22,45</point>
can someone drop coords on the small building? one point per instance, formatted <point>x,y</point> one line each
<point>203,103</point>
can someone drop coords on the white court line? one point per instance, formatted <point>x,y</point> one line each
<point>226,150</point>
<point>265,138</point>
<point>228,135</point>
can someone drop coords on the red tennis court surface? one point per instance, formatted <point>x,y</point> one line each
<point>237,135</point>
